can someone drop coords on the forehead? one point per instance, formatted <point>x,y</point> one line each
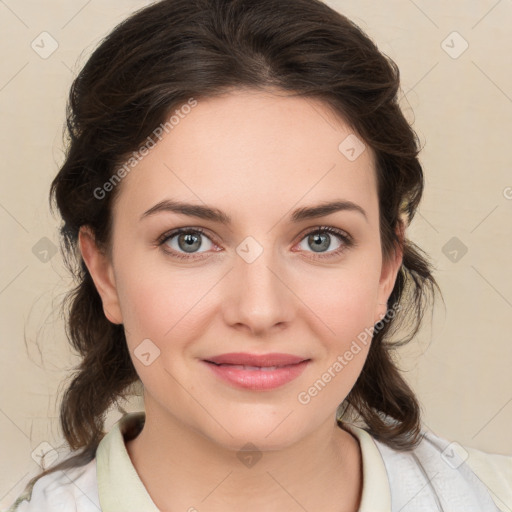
<point>253,150</point>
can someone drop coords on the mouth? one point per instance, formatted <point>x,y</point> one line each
<point>257,372</point>
<point>247,367</point>
<point>256,360</point>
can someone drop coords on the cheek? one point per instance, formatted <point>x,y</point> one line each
<point>343,300</point>
<point>343,326</point>
<point>158,304</point>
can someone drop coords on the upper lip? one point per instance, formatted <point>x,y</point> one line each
<point>241,358</point>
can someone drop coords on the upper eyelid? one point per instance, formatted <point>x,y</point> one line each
<point>176,231</point>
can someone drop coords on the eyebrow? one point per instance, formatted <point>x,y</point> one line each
<point>216,215</point>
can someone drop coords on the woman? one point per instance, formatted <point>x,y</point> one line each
<point>236,193</point>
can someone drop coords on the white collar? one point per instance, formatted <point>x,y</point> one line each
<point>120,487</point>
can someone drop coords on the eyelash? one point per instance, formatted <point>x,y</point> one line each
<point>345,238</point>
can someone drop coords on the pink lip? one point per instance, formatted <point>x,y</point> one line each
<point>229,367</point>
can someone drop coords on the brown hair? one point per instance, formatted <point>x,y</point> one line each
<point>175,50</point>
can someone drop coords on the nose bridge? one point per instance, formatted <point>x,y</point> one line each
<point>256,265</point>
<point>259,296</point>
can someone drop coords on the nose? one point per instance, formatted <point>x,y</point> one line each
<point>258,297</point>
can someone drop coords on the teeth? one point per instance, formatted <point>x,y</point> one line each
<point>245,367</point>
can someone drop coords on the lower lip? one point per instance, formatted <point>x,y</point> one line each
<point>258,379</point>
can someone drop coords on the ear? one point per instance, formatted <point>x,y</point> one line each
<point>389,273</point>
<point>100,267</point>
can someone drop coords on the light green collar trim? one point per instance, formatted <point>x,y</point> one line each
<point>120,487</point>
<point>376,496</point>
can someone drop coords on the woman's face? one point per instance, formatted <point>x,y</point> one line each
<point>266,282</point>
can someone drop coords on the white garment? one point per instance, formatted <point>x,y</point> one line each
<point>434,477</point>
<point>430,478</point>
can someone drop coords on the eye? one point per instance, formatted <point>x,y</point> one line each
<point>185,242</point>
<point>321,238</point>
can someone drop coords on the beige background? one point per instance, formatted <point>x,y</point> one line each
<point>462,111</point>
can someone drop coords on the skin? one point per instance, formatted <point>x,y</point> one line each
<point>256,156</point>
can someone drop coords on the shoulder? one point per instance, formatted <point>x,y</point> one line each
<point>495,471</point>
<point>438,471</point>
<point>61,491</point>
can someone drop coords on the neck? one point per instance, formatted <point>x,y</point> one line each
<point>183,470</point>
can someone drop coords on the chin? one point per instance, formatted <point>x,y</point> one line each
<point>267,433</point>
<point>263,443</point>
